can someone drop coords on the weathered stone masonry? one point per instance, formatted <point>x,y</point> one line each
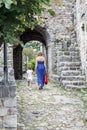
<point>60,29</point>
<point>64,60</point>
<point>81,28</point>
<point>8,106</point>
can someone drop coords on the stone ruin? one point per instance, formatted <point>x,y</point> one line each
<point>66,51</point>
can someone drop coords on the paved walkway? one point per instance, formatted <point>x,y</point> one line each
<point>52,108</point>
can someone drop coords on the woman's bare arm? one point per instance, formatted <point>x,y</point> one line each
<point>45,63</point>
<point>36,64</point>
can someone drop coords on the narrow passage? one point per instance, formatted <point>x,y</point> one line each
<point>52,108</point>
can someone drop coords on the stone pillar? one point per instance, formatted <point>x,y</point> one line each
<point>17,57</point>
<point>8,114</point>
<point>8,110</point>
<point>85,49</point>
<point>59,54</point>
<point>1,63</point>
<point>50,60</point>
<point>10,55</point>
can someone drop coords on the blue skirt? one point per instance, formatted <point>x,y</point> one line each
<point>40,73</point>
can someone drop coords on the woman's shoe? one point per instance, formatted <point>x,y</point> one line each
<point>40,87</point>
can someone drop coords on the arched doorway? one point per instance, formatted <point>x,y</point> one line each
<point>38,34</point>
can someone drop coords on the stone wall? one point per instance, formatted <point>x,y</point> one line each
<point>64,50</point>
<point>61,31</point>
<point>81,29</point>
<point>8,107</point>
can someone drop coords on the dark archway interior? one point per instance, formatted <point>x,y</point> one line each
<point>38,34</point>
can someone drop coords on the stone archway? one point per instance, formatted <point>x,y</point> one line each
<point>39,34</point>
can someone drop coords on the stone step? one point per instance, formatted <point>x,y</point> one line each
<point>71,87</point>
<point>69,53</point>
<point>73,59</point>
<point>64,58</point>
<point>75,78</point>
<point>1,71</point>
<point>69,58</point>
<point>69,68</point>
<point>61,53</point>
<point>70,73</point>
<point>75,53</point>
<point>69,64</point>
<point>76,83</point>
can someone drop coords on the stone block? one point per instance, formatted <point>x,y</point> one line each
<point>1,71</point>
<point>74,54</point>
<point>60,53</point>
<point>2,128</point>
<point>75,78</point>
<point>71,48</point>
<point>74,87</point>
<point>0,102</point>
<point>69,64</point>
<point>10,102</point>
<point>75,83</point>
<point>12,111</point>
<point>12,90</point>
<point>70,73</point>
<point>66,53</point>
<point>3,112</point>
<point>11,128</point>
<point>11,71</point>
<point>10,121</point>
<point>0,91</point>
<point>64,58</point>
<point>1,123</point>
<point>4,91</point>
<point>12,82</point>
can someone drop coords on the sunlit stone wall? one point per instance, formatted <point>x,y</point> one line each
<point>81,28</point>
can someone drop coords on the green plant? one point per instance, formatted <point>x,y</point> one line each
<point>31,63</point>
<point>56,41</point>
<point>60,2</point>
<point>16,15</point>
<point>70,28</point>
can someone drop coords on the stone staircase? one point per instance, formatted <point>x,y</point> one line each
<point>71,76</point>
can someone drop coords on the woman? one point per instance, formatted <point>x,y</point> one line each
<point>40,69</point>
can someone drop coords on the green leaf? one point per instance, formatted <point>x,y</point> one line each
<point>60,2</point>
<point>1,3</point>
<point>47,2</point>
<point>52,12</point>
<point>1,34</point>
<point>7,3</point>
<point>16,15</point>
<point>14,2</point>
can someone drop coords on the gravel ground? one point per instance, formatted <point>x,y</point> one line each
<point>52,108</point>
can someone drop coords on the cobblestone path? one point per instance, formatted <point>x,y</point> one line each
<point>52,108</point>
